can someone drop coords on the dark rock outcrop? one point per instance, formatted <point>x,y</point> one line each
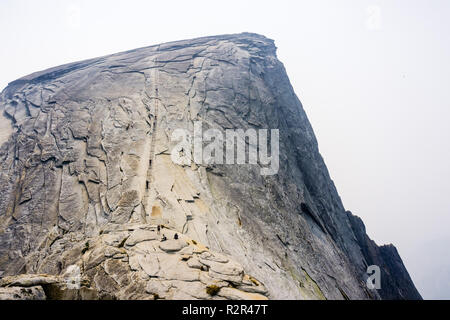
<point>86,176</point>
<point>398,283</point>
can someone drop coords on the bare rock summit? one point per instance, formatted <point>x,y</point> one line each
<point>87,177</point>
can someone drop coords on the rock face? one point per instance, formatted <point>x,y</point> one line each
<point>87,175</point>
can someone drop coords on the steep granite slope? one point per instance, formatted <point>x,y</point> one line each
<point>87,175</point>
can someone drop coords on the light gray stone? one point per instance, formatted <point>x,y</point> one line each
<point>172,245</point>
<point>150,264</point>
<point>235,294</point>
<point>139,236</point>
<point>86,162</point>
<point>229,268</point>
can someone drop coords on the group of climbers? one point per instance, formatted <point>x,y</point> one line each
<point>164,238</point>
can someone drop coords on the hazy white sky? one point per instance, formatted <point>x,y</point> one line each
<point>373,76</point>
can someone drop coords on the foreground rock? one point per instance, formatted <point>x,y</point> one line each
<point>86,174</point>
<point>141,269</point>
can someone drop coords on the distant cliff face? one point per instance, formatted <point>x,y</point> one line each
<point>87,175</point>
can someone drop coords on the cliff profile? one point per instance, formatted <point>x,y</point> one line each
<point>94,207</point>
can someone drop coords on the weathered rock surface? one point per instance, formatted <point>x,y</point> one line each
<point>86,176</point>
<point>112,270</point>
<point>18,293</point>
